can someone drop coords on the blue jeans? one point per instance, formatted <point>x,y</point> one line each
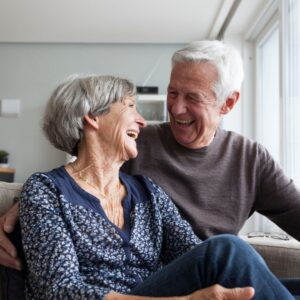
<point>223,259</point>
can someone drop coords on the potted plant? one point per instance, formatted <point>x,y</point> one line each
<point>3,158</point>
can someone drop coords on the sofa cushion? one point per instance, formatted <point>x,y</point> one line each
<point>8,192</point>
<point>282,257</point>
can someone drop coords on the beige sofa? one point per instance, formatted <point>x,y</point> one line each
<point>283,257</point>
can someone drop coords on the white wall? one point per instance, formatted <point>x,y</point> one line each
<point>30,72</point>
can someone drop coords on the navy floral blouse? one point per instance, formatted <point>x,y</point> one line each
<point>74,252</point>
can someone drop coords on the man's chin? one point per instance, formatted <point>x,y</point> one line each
<point>185,142</point>
<point>181,137</point>
<point>181,141</point>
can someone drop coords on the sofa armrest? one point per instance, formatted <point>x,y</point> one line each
<point>8,192</point>
<point>282,257</point>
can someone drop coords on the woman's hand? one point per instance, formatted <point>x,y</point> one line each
<point>8,253</point>
<point>214,292</point>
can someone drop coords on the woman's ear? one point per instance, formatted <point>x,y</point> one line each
<point>91,121</point>
<point>230,103</point>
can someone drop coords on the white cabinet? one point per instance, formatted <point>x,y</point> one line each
<point>152,107</point>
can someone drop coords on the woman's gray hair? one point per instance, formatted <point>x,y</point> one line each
<point>77,96</point>
<point>226,60</point>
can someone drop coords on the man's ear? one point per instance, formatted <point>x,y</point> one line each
<point>91,121</point>
<point>230,103</point>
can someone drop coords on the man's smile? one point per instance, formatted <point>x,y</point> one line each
<point>183,122</point>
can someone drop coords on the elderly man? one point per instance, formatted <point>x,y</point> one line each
<point>216,178</point>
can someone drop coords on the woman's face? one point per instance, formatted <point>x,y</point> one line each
<point>119,129</point>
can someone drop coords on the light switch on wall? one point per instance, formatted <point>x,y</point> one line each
<point>10,108</point>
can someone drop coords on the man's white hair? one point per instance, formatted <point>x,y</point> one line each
<point>226,59</point>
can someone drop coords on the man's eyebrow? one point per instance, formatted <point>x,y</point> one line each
<point>194,94</point>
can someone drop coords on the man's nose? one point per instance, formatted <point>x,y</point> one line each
<point>177,106</point>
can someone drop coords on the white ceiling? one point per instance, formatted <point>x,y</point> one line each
<point>121,21</point>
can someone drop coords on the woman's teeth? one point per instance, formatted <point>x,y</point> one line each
<point>132,134</point>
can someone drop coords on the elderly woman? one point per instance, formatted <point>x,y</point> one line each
<point>90,231</point>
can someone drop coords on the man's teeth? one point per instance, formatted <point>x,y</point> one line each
<point>183,121</point>
<point>132,134</point>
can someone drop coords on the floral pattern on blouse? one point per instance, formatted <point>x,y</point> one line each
<point>74,252</point>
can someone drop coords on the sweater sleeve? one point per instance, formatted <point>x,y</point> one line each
<point>278,197</point>
<point>178,235</point>
<point>52,265</point>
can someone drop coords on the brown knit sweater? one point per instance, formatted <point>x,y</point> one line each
<point>216,188</point>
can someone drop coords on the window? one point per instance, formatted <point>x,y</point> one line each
<point>291,89</point>
<point>277,109</point>
<point>267,103</point>
<point>276,45</point>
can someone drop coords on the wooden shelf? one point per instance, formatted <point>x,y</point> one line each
<point>7,170</point>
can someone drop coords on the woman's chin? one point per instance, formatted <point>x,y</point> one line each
<point>130,155</point>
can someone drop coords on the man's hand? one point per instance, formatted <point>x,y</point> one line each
<point>214,292</point>
<point>217,292</point>
<point>8,253</point>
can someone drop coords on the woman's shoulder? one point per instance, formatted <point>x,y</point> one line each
<point>38,178</point>
<point>40,183</point>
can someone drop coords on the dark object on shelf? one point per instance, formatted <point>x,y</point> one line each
<point>7,174</point>
<point>3,157</point>
<point>147,89</point>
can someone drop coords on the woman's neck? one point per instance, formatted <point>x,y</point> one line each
<point>96,170</point>
<point>97,165</point>
<point>100,175</point>
<point>101,179</point>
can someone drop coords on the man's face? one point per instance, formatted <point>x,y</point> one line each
<point>192,105</point>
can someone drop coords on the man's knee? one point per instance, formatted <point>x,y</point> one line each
<point>229,241</point>
<point>228,245</point>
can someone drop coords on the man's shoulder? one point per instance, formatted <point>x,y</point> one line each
<point>237,138</point>
<point>154,131</point>
<point>237,142</point>
<point>228,134</point>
